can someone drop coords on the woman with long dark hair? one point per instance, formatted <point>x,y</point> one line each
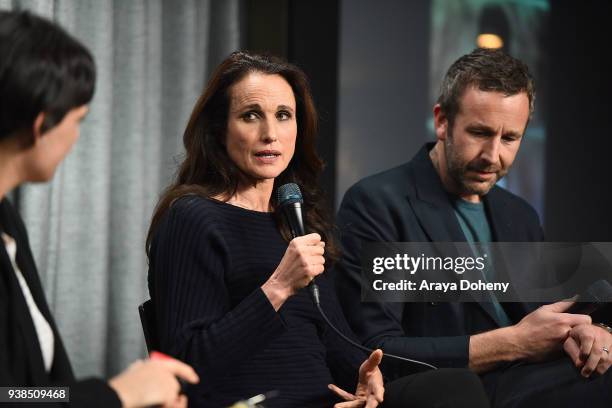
<point>225,275</point>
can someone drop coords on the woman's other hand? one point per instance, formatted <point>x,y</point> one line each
<point>302,262</point>
<point>370,389</point>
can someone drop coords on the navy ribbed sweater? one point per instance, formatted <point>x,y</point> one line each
<point>208,262</point>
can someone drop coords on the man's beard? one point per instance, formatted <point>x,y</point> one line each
<point>458,171</point>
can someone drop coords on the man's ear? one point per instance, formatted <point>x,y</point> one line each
<point>37,127</point>
<point>440,122</point>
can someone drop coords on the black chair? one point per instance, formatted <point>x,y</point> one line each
<point>147,319</point>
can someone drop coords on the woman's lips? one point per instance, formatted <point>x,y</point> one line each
<point>267,156</point>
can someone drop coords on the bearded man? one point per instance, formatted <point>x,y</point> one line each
<point>526,355</point>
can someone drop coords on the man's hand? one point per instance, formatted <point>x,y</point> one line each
<point>370,389</point>
<point>585,346</point>
<point>544,331</point>
<point>537,337</point>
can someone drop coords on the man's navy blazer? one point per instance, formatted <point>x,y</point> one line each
<point>404,204</point>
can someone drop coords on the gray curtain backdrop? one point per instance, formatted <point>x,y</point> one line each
<point>88,226</point>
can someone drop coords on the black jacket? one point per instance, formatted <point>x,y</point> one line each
<point>21,362</point>
<point>409,203</point>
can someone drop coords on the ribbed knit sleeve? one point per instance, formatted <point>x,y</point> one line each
<point>196,320</point>
<point>343,359</point>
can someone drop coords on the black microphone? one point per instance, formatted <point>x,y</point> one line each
<point>289,199</point>
<point>597,295</point>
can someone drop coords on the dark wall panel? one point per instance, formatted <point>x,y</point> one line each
<point>579,142</point>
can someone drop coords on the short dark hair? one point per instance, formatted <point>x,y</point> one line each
<point>207,169</point>
<point>42,69</point>
<point>487,70</point>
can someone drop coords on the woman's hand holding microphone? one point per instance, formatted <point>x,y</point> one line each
<point>302,262</point>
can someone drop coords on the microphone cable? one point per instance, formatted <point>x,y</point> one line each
<point>314,291</point>
<point>289,199</point>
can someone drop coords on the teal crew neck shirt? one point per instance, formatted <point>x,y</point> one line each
<point>475,226</point>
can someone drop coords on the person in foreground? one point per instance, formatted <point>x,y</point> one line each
<point>46,82</point>
<point>447,193</point>
<point>225,276</point>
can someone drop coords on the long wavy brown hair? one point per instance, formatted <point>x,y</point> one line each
<point>207,169</point>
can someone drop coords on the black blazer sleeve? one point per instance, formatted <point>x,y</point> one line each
<point>366,216</point>
<point>93,393</point>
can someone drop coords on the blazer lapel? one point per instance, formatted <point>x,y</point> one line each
<point>430,201</point>
<point>501,223</point>
<point>61,369</point>
<point>504,231</point>
<point>24,327</point>
<point>434,210</point>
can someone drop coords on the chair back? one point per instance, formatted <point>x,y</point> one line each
<point>147,319</point>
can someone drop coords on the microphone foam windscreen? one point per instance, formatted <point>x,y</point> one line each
<point>288,194</point>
